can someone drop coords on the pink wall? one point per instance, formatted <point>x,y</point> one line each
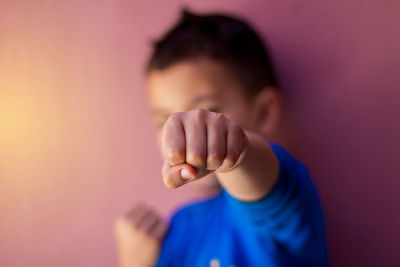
<point>77,145</point>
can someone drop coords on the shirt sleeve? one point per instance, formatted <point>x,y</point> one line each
<point>289,217</point>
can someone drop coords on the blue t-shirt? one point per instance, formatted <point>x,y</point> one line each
<point>285,228</point>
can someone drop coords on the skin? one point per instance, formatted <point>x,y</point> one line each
<point>210,132</point>
<point>138,236</point>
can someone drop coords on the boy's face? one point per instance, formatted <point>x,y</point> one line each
<point>197,83</point>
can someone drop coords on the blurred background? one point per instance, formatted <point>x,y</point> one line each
<point>77,144</point>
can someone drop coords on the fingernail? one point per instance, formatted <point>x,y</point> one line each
<point>185,174</point>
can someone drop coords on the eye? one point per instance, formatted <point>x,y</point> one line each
<point>214,109</point>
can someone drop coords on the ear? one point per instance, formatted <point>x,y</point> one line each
<point>267,112</point>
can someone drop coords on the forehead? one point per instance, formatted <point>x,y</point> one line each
<point>192,81</point>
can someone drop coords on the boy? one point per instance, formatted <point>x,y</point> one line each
<point>216,103</point>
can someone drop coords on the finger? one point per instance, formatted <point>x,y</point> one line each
<point>173,140</point>
<point>147,221</point>
<point>216,141</point>
<point>175,176</point>
<point>152,223</point>
<point>159,229</point>
<point>136,213</point>
<point>236,144</point>
<point>196,139</point>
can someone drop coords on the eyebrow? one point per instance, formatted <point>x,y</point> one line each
<point>203,98</point>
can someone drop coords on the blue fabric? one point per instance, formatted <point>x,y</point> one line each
<point>285,228</point>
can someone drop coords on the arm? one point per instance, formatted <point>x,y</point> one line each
<point>289,218</point>
<point>263,185</point>
<point>250,180</point>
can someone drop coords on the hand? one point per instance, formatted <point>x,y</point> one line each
<point>139,235</point>
<point>198,142</point>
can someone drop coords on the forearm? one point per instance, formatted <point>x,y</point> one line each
<point>255,175</point>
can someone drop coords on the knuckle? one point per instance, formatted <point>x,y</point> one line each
<point>199,114</point>
<point>173,118</point>
<point>219,117</point>
<point>195,159</point>
<point>218,120</point>
<point>236,128</point>
<point>170,119</point>
<point>230,160</point>
<point>175,156</point>
<point>155,215</point>
<point>215,153</point>
<point>214,158</point>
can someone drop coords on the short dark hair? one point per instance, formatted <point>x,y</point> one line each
<point>219,37</point>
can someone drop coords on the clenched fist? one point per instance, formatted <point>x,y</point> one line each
<point>198,142</point>
<point>139,235</point>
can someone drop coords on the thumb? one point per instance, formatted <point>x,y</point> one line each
<point>177,175</point>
